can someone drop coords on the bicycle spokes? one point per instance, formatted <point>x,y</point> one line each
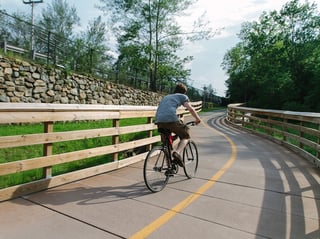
<point>190,158</point>
<point>155,168</point>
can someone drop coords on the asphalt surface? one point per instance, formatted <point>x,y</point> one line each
<point>246,187</point>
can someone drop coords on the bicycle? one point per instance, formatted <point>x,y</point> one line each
<point>159,165</point>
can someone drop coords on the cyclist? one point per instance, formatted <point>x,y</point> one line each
<point>166,117</point>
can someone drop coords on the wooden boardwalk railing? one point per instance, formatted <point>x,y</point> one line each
<point>49,115</point>
<point>299,131</point>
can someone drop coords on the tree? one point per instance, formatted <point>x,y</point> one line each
<point>16,31</point>
<point>149,36</point>
<point>300,28</point>
<point>271,67</point>
<point>59,19</point>
<point>90,50</point>
<point>236,63</point>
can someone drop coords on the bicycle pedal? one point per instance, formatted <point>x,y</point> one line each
<point>169,173</point>
<point>175,162</point>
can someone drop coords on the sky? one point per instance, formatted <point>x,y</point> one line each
<point>208,55</point>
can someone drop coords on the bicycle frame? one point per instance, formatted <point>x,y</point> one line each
<point>167,140</point>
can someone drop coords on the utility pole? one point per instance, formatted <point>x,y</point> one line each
<point>32,2</point>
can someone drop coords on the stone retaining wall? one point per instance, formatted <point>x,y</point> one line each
<point>21,81</point>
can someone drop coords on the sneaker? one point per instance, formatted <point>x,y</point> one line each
<point>178,159</point>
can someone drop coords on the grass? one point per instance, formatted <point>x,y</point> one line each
<point>28,152</point>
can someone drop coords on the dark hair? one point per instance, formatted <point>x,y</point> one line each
<point>181,88</point>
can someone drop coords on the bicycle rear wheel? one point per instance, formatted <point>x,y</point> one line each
<point>155,168</point>
<point>190,159</point>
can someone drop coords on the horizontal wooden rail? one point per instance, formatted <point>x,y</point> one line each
<point>299,131</point>
<point>7,47</point>
<point>14,49</point>
<point>21,114</point>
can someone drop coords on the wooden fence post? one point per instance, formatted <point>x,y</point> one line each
<point>318,142</point>
<point>149,147</point>
<point>301,133</point>
<point>284,129</point>
<point>115,138</point>
<point>47,149</point>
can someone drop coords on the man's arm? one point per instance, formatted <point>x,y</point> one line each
<point>192,112</point>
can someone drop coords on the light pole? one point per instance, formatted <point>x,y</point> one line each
<point>32,2</point>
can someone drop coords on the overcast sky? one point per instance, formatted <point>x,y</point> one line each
<point>208,55</point>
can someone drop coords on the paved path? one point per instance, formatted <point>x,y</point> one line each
<point>246,187</point>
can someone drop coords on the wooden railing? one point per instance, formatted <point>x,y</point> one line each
<point>7,47</point>
<point>49,115</point>
<point>300,131</point>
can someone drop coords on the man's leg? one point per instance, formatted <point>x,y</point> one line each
<point>177,154</point>
<point>182,144</point>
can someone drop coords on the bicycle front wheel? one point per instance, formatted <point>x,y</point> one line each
<point>155,168</point>
<point>190,159</point>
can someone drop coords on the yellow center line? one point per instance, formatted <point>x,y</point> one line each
<point>144,232</point>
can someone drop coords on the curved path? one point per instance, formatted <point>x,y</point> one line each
<point>246,187</point>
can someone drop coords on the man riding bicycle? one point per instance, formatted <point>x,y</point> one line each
<point>166,117</point>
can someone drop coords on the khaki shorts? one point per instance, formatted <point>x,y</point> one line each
<point>178,128</point>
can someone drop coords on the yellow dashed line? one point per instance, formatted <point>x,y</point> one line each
<point>143,233</point>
